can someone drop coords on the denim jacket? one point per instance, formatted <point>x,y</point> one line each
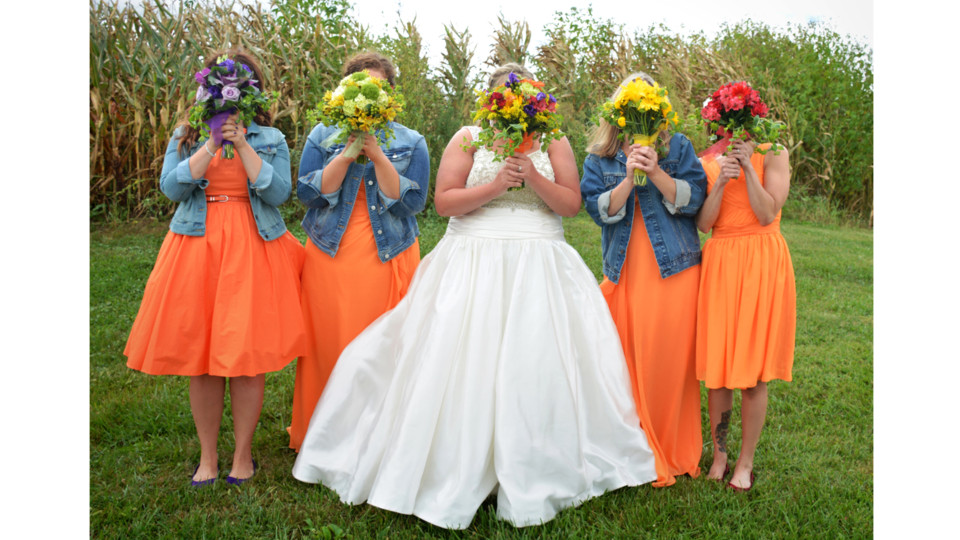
<point>671,226</point>
<point>270,189</point>
<point>393,220</point>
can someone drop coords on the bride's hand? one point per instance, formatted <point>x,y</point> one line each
<point>522,165</point>
<point>509,176</point>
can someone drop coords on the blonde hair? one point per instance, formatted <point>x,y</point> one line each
<point>501,73</point>
<point>604,140</point>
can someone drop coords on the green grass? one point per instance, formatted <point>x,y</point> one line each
<point>814,464</point>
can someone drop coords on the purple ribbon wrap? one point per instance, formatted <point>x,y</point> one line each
<point>215,123</point>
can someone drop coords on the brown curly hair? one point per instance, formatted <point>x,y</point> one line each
<point>189,135</point>
<point>371,60</point>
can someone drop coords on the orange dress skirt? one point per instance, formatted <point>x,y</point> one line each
<point>656,320</point>
<point>747,310</point>
<point>226,303</point>
<point>341,296</point>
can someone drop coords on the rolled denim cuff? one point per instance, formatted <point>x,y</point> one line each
<point>264,178</point>
<point>681,199</point>
<point>603,208</point>
<point>332,198</point>
<point>405,186</point>
<point>184,176</point>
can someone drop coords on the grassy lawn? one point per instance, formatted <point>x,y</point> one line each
<point>814,464</point>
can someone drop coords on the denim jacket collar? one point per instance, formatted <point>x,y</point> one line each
<point>621,157</point>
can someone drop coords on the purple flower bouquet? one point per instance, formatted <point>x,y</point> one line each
<point>226,88</point>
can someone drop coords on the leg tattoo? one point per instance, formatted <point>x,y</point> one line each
<point>721,432</point>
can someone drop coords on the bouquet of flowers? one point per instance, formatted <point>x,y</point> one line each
<point>226,88</point>
<point>642,111</point>
<point>515,111</point>
<point>360,104</point>
<point>735,111</point>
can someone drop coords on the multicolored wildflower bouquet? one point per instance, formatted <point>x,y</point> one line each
<point>360,104</point>
<point>226,88</point>
<point>514,113</point>
<point>735,111</point>
<point>641,110</point>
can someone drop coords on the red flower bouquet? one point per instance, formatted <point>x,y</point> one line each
<point>735,111</point>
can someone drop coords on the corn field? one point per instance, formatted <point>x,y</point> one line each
<point>142,63</point>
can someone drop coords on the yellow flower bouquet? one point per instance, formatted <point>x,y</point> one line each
<point>641,110</point>
<point>514,113</point>
<point>360,104</point>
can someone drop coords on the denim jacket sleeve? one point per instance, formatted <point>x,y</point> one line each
<point>596,195</point>
<point>414,184</point>
<point>690,178</point>
<point>273,182</point>
<point>310,174</point>
<point>176,182</point>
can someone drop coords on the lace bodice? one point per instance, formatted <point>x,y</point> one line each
<point>485,169</point>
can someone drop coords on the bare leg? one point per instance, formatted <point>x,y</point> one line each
<point>246,398</point>
<point>206,404</point>
<point>753,413</point>
<point>720,405</point>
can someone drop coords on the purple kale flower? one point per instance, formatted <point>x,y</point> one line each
<point>530,109</point>
<point>231,93</point>
<point>229,80</point>
<point>201,75</point>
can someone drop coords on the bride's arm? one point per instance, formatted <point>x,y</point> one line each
<point>452,197</point>
<point>562,196</point>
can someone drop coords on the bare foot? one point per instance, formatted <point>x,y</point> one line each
<point>242,468</point>
<point>206,470</point>
<point>718,470</point>
<point>742,477</point>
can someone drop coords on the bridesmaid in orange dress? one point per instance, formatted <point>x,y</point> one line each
<point>651,254</point>
<point>747,307</point>
<point>223,300</point>
<point>362,248</point>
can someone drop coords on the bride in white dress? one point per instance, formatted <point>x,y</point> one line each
<point>500,372</point>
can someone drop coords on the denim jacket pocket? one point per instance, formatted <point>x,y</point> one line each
<point>670,166</point>
<point>400,158</point>
<point>266,152</point>
<point>612,178</point>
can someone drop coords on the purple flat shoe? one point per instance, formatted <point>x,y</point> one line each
<point>237,481</point>
<point>201,483</point>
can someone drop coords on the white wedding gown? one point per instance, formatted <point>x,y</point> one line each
<point>499,372</point>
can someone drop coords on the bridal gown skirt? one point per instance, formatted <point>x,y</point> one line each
<point>499,372</point>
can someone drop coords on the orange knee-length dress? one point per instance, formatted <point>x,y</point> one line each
<point>656,321</point>
<point>226,303</point>
<point>747,310</point>
<point>340,297</point>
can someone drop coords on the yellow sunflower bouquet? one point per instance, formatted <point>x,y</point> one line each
<point>641,110</point>
<point>360,104</point>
